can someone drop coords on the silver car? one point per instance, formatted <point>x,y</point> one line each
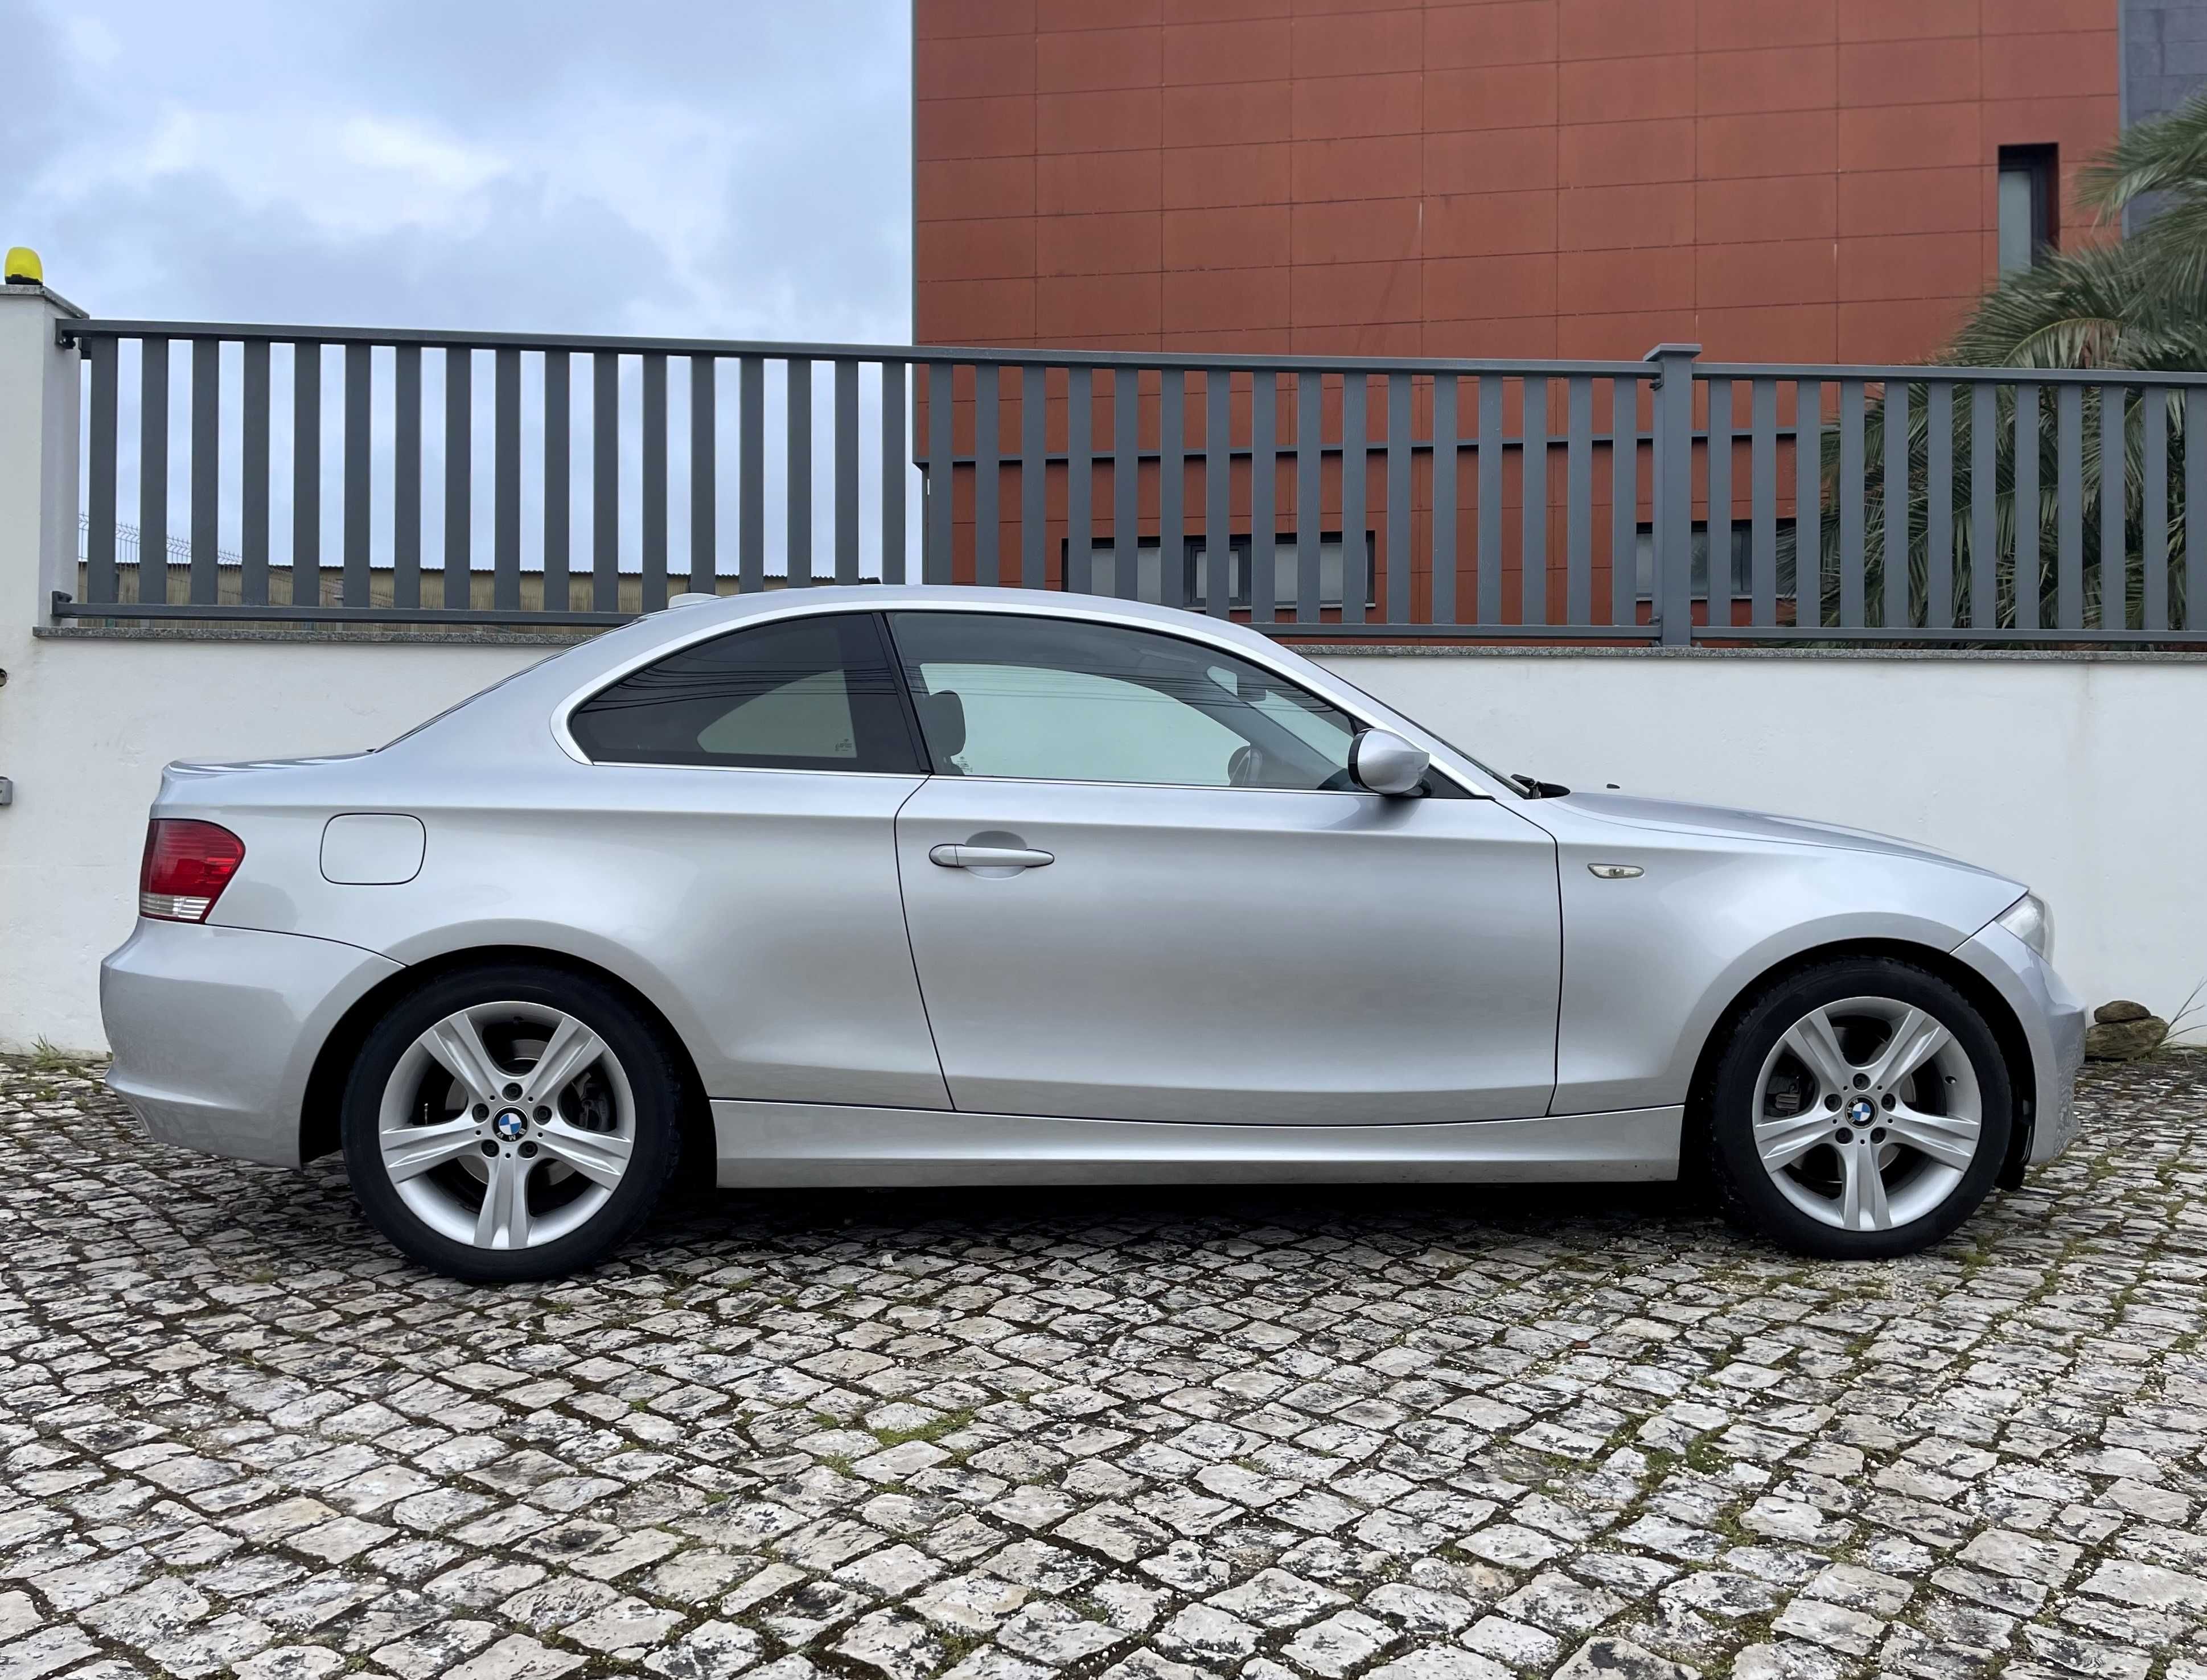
<point>887,886</point>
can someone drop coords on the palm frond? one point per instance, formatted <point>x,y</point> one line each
<point>2166,154</point>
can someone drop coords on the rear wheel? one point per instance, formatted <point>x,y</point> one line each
<point>1861,1110</point>
<point>508,1123</point>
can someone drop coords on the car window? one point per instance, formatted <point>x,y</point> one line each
<point>801,694</point>
<point>1062,699</point>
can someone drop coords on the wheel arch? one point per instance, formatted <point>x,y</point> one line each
<point>1998,1014</point>
<point>324,1087</point>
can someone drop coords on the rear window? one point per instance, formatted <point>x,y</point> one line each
<point>802,694</point>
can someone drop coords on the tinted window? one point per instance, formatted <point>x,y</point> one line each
<point>805,694</point>
<point>1058,700</point>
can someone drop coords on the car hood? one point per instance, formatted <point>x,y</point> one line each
<point>1678,817</point>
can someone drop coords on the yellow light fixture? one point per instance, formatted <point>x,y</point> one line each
<point>24,268</point>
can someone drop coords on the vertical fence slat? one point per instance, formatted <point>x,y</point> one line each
<point>2114,489</point>
<point>893,470</point>
<point>153,470</point>
<point>986,506</point>
<point>1807,502</point>
<point>2153,491</point>
<point>1172,487</point>
<point>99,533</point>
<point>460,474</point>
<point>1309,459</point>
<point>1762,503</point>
<point>1623,501</point>
<point>506,482</point>
<point>1264,467</point>
<point>797,512</point>
<point>651,587</point>
<point>1125,483</point>
<point>253,479</point>
<point>1984,506</point>
<point>2069,507</point>
<point>1939,507</point>
<point>1718,541</point>
<point>306,474</point>
<point>1079,483</point>
<point>1578,504</point>
<point>1532,512</point>
<point>1894,500</point>
<point>1674,497</point>
<point>405,472</point>
<point>605,482</point>
<point>704,474</point>
<point>206,469</point>
<point>847,471</point>
<point>1398,499</point>
<point>2029,525</point>
<point>1034,478</point>
<point>558,469</point>
<point>1355,550</point>
<point>1852,487</point>
<point>1444,501</point>
<point>750,475</point>
<point>1489,499</point>
<point>359,396</point>
<point>2195,495</point>
<point>941,397</point>
<point>1218,491</point>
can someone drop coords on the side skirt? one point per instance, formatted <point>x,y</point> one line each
<point>817,1146</point>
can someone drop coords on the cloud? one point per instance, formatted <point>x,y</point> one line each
<point>689,166</point>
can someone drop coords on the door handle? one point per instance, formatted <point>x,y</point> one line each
<point>989,856</point>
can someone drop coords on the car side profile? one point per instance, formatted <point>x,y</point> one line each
<point>947,885</point>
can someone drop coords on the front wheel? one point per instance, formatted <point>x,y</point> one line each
<point>510,1123</point>
<point>1860,1110</point>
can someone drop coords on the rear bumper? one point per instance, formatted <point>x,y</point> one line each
<point>215,1031</point>
<point>2052,1018</point>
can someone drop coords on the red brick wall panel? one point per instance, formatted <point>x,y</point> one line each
<point>1776,179</point>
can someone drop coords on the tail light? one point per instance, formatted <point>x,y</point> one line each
<point>188,863</point>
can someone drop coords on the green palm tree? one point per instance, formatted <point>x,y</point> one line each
<point>2138,305</point>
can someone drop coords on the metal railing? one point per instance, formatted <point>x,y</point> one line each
<point>417,477</point>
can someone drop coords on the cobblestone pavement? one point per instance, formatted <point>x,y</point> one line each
<point>1413,1436</point>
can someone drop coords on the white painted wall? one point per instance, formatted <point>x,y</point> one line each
<point>2083,776</point>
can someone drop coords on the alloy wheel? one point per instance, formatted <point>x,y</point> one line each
<point>1868,1113</point>
<point>506,1125</point>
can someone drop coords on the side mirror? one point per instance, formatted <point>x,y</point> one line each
<point>1382,762</point>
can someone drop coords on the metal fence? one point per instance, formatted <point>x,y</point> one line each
<point>415,477</point>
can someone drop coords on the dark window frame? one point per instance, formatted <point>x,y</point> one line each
<point>1743,562</point>
<point>2041,163</point>
<point>1241,570</point>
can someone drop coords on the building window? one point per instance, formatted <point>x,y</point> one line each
<point>2027,231</point>
<point>1195,571</point>
<point>1743,561</point>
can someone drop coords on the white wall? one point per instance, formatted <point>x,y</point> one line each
<point>2083,776</point>
<point>2080,776</point>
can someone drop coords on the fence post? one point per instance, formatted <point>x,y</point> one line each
<point>39,408</point>
<point>1673,592</point>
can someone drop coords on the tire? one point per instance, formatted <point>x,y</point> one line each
<point>483,1185</point>
<point>1872,1136</point>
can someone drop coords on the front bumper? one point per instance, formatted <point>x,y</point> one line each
<point>2052,1018</point>
<point>215,1031</point>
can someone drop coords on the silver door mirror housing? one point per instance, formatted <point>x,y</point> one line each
<point>1382,762</point>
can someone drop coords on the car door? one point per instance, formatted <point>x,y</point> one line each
<point>1141,886</point>
<point>744,792</point>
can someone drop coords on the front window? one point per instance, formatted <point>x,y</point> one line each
<point>1054,699</point>
<point>2027,201</point>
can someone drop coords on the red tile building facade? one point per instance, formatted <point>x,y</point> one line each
<point>1777,180</point>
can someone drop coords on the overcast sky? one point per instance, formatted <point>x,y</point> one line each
<point>724,168</point>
